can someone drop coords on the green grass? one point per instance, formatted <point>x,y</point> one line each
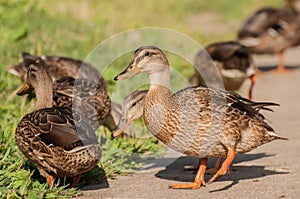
<point>72,29</point>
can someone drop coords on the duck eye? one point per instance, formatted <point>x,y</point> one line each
<point>134,103</point>
<point>147,54</point>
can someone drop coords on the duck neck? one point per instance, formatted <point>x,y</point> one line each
<point>44,95</point>
<point>160,79</point>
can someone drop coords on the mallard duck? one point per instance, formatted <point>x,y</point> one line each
<point>90,87</point>
<point>198,121</point>
<point>89,99</point>
<point>55,139</point>
<point>58,67</point>
<point>132,109</point>
<point>272,31</point>
<point>233,62</point>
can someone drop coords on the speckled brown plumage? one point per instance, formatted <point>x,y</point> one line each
<point>198,121</point>
<point>77,84</point>
<point>57,143</point>
<point>55,139</point>
<point>58,67</point>
<point>89,99</point>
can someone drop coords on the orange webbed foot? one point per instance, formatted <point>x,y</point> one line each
<point>199,179</point>
<point>225,166</point>
<point>193,185</point>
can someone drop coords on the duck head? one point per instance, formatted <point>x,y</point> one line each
<point>36,73</point>
<point>132,109</point>
<point>147,59</point>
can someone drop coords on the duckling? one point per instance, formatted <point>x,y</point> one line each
<point>55,139</point>
<point>198,121</point>
<point>234,63</point>
<point>132,109</point>
<point>272,31</point>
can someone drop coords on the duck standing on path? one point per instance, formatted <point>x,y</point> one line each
<point>234,63</point>
<point>55,139</point>
<point>198,121</point>
<point>272,31</point>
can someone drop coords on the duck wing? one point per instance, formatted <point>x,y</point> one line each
<point>59,126</point>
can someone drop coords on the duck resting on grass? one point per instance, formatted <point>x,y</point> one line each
<point>198,121</point>
<point>84,79</point>
<point>55,139</point>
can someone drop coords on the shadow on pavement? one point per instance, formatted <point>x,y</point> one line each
<point>175,170</point>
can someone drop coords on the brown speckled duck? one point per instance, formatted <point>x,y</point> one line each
<point>132,109</point>
<point>233,62</point>
<point>198,121</point>
<point>272,31</point>
<point>58,67</point>
<point>76,83</point>
<point>55,139</point>
<point>89,99</point>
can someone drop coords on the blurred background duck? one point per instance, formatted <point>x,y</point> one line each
<point>272,31</point>
<point>198,121</point>
<point>234,63</point>
<point>55,139</point>
<point>78,82</point>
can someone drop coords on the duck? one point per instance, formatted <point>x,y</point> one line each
<point>75,81</point>
<point>56,140</point>
<point>272,30</point>
<point>85,96</point>
<point>58,67</point>
<point>132,109</point>
<point>198,121</point>
<point>234,63</point>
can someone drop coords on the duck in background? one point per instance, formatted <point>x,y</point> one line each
<point>66,74</point>
<point>55,139</point>
<point>58,67</point>
<point>234,63</point>
<point>132,109</point>
<point>272,30</point>
<point>198,121</point>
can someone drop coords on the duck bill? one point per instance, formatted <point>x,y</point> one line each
<point>123,124</point>
<point>25,89</point>
<point>130,71</point>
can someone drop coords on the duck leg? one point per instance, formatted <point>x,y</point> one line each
<point>50,181</point>
<point>253,80</point>
<point>281,66</point>
<point>76,179</point>
<point>199,179</point>
<point>225,166</point>
<point>208,170</point>
<point>216,167</point>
